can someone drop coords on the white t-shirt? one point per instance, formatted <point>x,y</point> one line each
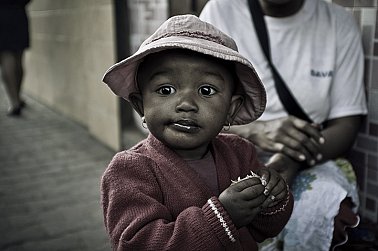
<point>317,51</point>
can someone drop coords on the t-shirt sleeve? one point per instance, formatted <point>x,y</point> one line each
<point>348,92</point>
<point>210,11</point>
<point>214,12</point>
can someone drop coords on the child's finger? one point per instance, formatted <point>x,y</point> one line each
<point>271,178</point>
<point>282,195</point>
<point>268,201</point>
<point>265,176</point>
<point>256,202</point>
<point>252,192</point>
<point>272,200</point>
<point>280,190</point>
<point>241,185</point>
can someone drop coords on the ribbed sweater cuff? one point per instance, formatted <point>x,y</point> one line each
<point>279,207</point>
<point>276,216</point>
<point>220,221</point>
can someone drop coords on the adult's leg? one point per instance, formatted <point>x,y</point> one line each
<point>12,73</point>
<point>346,218</point>
<point>318,193</point>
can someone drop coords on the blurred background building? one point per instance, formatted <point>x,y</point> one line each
<point>74,42</point>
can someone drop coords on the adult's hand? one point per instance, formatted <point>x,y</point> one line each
<point>291,136</point>
<point>285,166</point>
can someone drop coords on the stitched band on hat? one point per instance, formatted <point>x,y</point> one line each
<point>194,34</point>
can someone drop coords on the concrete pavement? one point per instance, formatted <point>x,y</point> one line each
<point>50,170</point>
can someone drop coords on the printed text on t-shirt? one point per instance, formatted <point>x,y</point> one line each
<point>321,74</point>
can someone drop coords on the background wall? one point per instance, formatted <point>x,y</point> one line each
<point>365,151</point>
<point>72,44</point>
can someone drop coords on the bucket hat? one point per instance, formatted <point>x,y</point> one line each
<point>190,33</point>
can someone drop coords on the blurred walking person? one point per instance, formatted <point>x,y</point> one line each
<point>14,39</point>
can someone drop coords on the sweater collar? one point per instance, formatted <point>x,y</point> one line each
<point>180,167</point>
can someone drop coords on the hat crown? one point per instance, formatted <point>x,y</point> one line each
<point>190,33</point>
<point>190,26</point>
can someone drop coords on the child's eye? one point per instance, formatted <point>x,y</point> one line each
<point>207,90</point>
<point>166,90</point>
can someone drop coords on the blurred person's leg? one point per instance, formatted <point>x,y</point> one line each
<point>12,73</point>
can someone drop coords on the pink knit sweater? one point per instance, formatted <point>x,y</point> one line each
<point>152,200</point>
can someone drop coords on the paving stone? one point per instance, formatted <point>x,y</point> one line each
<point>50,173</point>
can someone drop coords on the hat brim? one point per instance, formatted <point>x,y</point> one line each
<point>121,77</point>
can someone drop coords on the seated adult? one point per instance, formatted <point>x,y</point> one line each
<point>316,48</point>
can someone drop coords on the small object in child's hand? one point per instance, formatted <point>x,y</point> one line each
<point>252,175</point>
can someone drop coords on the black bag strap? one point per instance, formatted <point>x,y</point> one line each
<point>287,99</point>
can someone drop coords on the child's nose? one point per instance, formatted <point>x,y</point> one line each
<point>186,103</point>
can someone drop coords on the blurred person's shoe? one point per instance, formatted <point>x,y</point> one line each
<point>22,104</point>
<point>15,111</point>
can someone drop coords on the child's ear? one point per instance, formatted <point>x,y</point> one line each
<point>236,103</point>
<point>136,101</point>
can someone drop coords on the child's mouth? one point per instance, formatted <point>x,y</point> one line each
<point>185,126</point>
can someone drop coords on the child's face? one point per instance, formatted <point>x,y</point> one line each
<point>186,99</point>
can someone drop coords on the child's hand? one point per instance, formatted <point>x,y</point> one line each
<point>243,200</point>
<point>275,189</point>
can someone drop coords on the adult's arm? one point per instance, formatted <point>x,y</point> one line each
<point>291,136</point>
<point>339,135</point>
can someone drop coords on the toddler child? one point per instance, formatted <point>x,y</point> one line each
<point>187,186</point>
